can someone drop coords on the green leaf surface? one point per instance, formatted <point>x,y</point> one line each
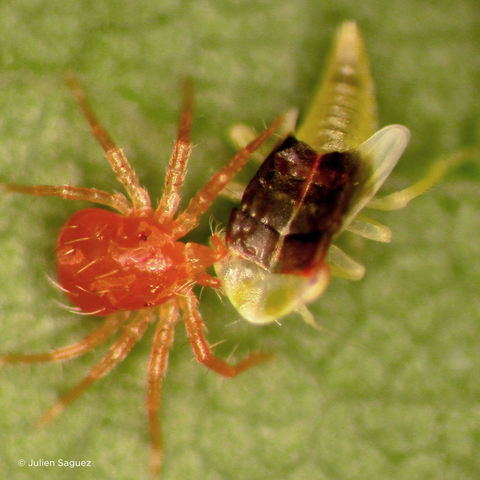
<point>389,388</point>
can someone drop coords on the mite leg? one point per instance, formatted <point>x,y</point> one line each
<point>178,163</point>
<point>241,135</point>
<point>201,347</point>
<point>206,257</point>
<point>400,199</point>
<point>200,203</point>
<point>118,161</point>
<point>116,201</point>
<point>130,335</point>
<point>156,369</point>
<point>233,191</point>
<point>108,328</point>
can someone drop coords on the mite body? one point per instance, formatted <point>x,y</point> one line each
<point>132,267</point>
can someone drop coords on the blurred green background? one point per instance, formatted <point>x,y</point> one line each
<point>390,388</point>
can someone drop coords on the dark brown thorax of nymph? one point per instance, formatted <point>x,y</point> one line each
<point>293,206</point>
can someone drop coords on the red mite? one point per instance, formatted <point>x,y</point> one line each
<point>132,267</point>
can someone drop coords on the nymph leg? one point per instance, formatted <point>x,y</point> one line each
<point>400,199</point>
<point>369,228</point>
<point>343,266</point>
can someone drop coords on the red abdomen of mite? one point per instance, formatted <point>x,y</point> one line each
<point>109,262</point>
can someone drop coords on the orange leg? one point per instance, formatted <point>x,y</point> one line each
<point>221,251</point>
<point>177,168</point>
<point>201,347</point>
<point>203,199</point>
<point>130,335</point>
<point>156,368</point>
<point>206,280</point>
<point>218,245</point>
<point>118,161</point>
<point>116,201</point>
<point>108,328</point>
